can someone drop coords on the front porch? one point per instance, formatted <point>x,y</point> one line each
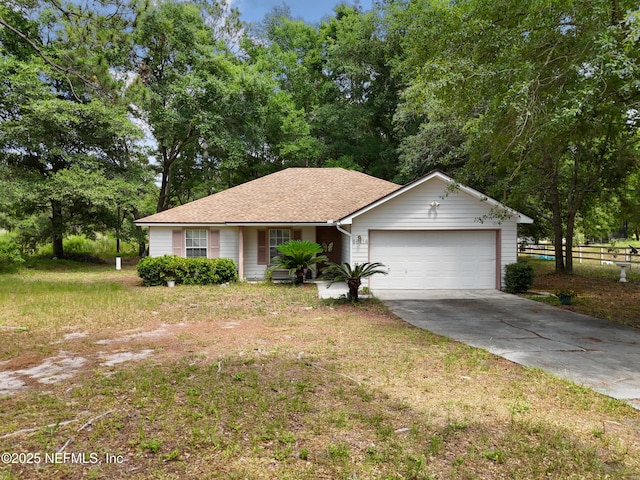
<point>256,245</point>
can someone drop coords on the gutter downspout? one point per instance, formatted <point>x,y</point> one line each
<point>343,231</point>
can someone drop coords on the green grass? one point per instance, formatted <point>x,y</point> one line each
<point>600,293</point>
<point>307,389</point>
<point>103,246</point>
<point>235,424</point>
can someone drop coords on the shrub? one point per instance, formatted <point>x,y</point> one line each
<point>518,277</point>
<point>298,256</point>
<point>188,271</point>
<point>10,257</point>
<point>352,275</point>
<point>151,270</point>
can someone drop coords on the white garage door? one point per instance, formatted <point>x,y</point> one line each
<point>434,260</point>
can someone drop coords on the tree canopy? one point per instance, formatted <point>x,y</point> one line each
<point>110,106</point>
<point>534,101</point>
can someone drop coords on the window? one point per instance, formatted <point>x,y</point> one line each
<point>269,240</point>
<point>277,237</point>
<point>196,243</point>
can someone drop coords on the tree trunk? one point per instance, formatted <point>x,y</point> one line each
<point>558,232</point>
<point>57,229</point>
<point>165,184</point>
<point>354,286</point>
<point>571,221</point>
<point>163,197</point>
<point>120,221</point>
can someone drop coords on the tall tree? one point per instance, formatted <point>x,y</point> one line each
<point>340,79</point>
<point>355,117</point>
<point>65,139</point>
<point>287,53</point>
<point>541,91</point>
<point>185,82</point>
<point>64,153</point>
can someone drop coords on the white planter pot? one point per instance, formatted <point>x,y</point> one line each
<point>171,283</point>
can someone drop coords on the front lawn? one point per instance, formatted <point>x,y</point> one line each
<point>264,381</point>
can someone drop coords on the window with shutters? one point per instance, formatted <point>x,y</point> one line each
<point>196,243</point>
<point>277,236</point>
<point>269,240</point>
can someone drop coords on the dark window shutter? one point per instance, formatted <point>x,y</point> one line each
<point>297,235</point>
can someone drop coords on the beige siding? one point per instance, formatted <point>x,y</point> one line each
<point>412,211</point>
<point>160,241</point>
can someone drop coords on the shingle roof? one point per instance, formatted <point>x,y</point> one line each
<point>294,195</point>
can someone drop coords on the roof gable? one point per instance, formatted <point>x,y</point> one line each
<point>294,195</point>
<point>501,209</point>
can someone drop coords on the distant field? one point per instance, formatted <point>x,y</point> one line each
<point>586,254</point>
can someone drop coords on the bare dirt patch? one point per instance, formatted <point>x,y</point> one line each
<point>86,351</point>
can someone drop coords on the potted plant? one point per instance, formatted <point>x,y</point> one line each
<point>565,295</point>
<point>169,279</point>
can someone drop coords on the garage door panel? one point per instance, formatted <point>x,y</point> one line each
<point>434,260</point>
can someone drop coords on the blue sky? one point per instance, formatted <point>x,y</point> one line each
<point>311,11</point>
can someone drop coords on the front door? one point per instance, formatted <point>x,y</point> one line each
<point>331,240</point>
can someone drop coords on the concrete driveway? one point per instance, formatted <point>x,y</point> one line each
<point>588,351</point>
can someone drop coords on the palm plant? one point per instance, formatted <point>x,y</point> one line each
<point>298,256</point>
<point>352,275</point>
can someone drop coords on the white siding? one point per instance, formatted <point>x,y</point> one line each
<point>412,211</point>
<point>229,243</point>
<point>252,271</point>
<point>346,248</point>
<point>160,241</point>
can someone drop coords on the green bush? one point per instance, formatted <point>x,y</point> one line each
<point>518,277</point>
<point>188,271</point>
<point>10,257</point>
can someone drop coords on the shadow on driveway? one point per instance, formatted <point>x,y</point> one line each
<point>588,351</point>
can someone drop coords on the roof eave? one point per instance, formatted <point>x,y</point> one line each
<point>178,224</point>
<point>234,224</point>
